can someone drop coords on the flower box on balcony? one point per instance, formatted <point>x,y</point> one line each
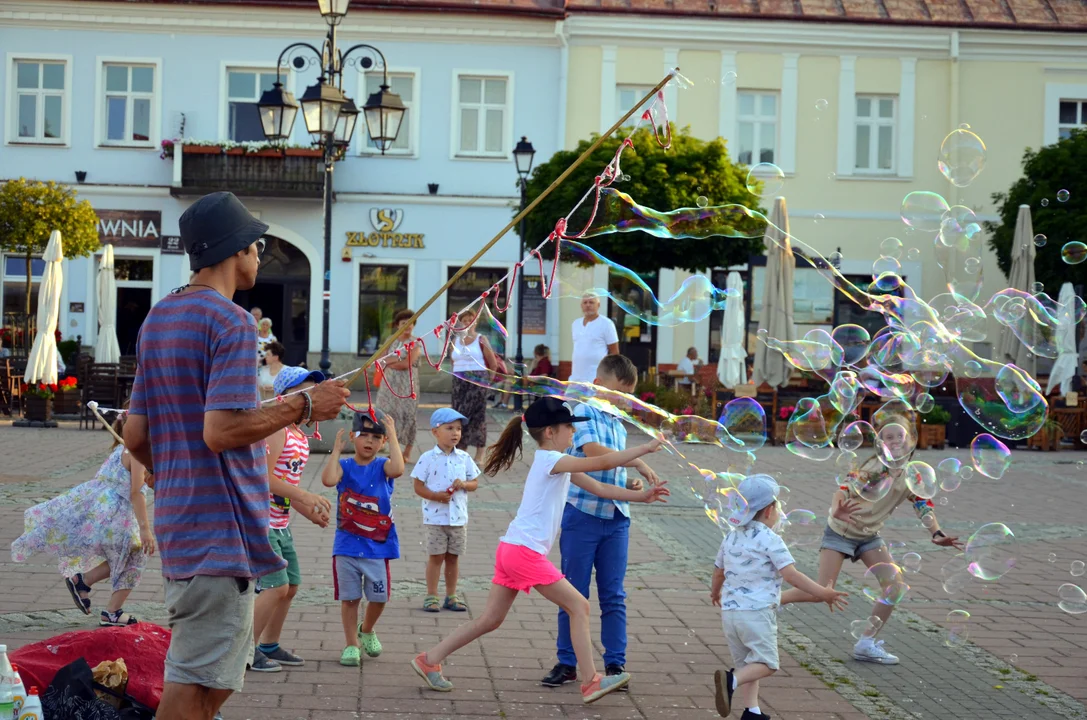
<point>305,152</point>
<point>202,149</point>
<point>264,172</point>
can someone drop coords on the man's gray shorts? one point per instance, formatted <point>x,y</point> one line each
<point>211,621</point>
<point>353,577</point>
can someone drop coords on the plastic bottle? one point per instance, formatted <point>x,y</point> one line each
<point>20,690</point>
<point>32,708</point>
<point>7,685</point>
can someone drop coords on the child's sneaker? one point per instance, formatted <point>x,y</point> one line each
<point>616,670</point>
<point>722,697</point>
<point>431,674</point>
<point>870,650</point>
<point>370,643</point>
<point>262,664</point>
<point>601,685</point>
<point>284,657</point>
<point>748,715</point>
<point>351,656</point>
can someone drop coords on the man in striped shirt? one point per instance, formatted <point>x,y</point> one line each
<point>196,422</point>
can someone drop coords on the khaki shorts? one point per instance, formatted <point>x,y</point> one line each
<point>752,636</point>
<point>211,621</point>
<point>442,539</point>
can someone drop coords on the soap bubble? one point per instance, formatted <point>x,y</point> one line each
<point>954,574</point>
<point>702,201</point>
<point>745,420</point>
<point>729,77</point>
<point>921,479</point>
<point>990,457</point>
<point>767,175</point>
<point>972,265</point>
<point>1045,202</point>
<point>1052,557</point>
<point>820,216</point>
<point>1078,568</point>
<point>958,228</point>
<point>1073,253</point>
<point>1063,195</point>
<point>923,210</point>
<point>1037,287</point>
<point>871,486</point>
<point>799,528</point>
<point>844,464</point>
<point>1072,599</point>
<point>991,551</point>
<point>948,472</point>
<point>1018,390</point>
<point>923,403</point>
<point>1083,437</point>
<point>957,630</point>
<point>913,254</point>
<point>891,247</point>
<point>1040,240</point>
<point>889,581</point>
<point>1013,659</point>
<point>821,104</point>
<point>911,562</point>
<point>885,265</point>
<point>854,341</point>
<point>895,444</point>
<point>962,157</point>
<point>973,369</point>
<point>835,259</point>
<point>869,626</point>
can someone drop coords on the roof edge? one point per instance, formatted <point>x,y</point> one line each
<point>409,6</point>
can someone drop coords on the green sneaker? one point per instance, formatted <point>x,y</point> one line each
<point>370,643</point>
<point>351,656</point>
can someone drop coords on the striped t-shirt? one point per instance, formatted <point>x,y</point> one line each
<point>195,354</point>
<point>288,468</point>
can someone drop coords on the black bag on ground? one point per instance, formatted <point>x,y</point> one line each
<point>71,696</point>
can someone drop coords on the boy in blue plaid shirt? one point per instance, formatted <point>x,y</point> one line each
<point>596,532</point>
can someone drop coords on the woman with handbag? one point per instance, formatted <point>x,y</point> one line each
<point>473,364</point>
<point>398,393</point>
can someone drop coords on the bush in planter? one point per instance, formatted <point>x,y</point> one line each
<point>936,416</point>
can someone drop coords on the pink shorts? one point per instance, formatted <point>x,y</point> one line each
<point>519,568</point>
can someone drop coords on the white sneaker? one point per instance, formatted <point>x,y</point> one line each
<point>869,650</point>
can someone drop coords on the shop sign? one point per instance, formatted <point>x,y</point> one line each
<point>129,228</point>
<point>171,245</point>
<point>386,222</point>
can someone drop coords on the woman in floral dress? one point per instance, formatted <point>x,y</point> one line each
<point>96,530</point>
<point>473,360</point>
<point>399,393</point>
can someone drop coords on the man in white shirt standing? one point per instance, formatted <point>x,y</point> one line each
<point>688,365</point>
<point>594,338</point>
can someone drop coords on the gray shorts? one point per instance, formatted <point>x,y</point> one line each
<point>442,539</point>
<point>352,577</point>
<point>752,636</point>
<point>852,549</point>
<point>211,621</point>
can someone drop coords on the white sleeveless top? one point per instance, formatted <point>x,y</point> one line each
<point>468,358</point>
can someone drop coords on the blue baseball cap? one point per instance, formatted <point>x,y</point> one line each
<point>291,377</point>
<point>759,491</point>
<point>441,416</point>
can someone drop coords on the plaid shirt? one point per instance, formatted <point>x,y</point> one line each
<point>607,430</point>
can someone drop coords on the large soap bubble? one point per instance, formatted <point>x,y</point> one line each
<point>948,472</point>
<point>962,157</point>
<point>991,457</point>
<point>923,210</point>
<point>991,552</point>
<point>769,176</point>
<point>1072,599</point>
<point>890,581</point>
<point>921,479</point>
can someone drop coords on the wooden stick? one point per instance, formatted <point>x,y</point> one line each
<point>93,406</point>
<point>380,352</point>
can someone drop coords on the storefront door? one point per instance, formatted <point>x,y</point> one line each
<point>282,294</point>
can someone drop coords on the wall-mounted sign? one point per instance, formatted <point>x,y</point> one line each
<point>534,314</point>
<point>129,228</point>
<point>386,222</point>
<point>75,307</point>
<point>171,245</point>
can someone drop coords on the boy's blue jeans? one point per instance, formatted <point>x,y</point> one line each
<point>587,542</point>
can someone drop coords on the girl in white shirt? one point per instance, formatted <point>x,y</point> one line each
<point>521,561</point>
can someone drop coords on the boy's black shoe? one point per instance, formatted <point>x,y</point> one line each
<point>560,675</point>
<point>722,697</point>
<point>617,670</point>
<point>748,715</point>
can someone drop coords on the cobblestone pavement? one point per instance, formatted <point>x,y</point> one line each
<point>1025,656</point>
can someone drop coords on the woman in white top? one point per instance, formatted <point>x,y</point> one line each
<point>272,364</point>
<point>472,359</point>
<point>521,562</point>
<point>264,337</point>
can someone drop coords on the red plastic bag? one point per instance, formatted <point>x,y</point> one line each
<point>143,647</point>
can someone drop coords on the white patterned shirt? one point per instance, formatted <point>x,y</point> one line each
<point>438,470</point>
<point>752,557</point>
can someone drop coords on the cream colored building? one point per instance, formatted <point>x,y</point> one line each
<point>854,114</point>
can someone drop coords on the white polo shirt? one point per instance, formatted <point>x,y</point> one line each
<point>591,342</point>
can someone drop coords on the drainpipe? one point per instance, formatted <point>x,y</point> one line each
<point>564,69</point>
<point>953,100</point>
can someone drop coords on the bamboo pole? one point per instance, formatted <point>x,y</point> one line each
<point>380,352</point>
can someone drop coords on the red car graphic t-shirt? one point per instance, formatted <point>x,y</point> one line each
<point>364,523</point>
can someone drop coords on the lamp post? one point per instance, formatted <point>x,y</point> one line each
<point>330,118</point>
<point>522,158</point>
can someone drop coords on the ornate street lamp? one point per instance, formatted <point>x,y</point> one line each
<point>321,107</point>
<point>522,159</point>
<point>345,124</point>
<point>333,11</point>
<point>384,114</point>
<point>278,110</point>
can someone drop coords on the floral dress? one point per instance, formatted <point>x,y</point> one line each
<point>90,523</point>
<point>394,397</point>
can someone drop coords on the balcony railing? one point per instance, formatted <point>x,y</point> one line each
<point>292,172</point>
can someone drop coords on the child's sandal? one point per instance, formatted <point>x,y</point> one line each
<point>76,586</point>
<point>117,619</point>
<point>452,602</point>
<point>431,604</point>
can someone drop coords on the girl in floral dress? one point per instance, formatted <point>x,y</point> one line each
<point>399,393</point>
<point>96,530</point>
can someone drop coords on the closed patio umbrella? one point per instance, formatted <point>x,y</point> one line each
<point>731,365</point>
<point>41,364</point>
<point>776,316</point>
<point>1011,349</point>
<point>1064,369</point>
<point>107,350</point>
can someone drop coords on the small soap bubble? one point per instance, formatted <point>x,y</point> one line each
<point>964,126</point>
<point>1083,439</point>
<point>943,501</point>
<point>891,247</point>
<point>911,562</point>
<point>957,630</point>
<point>889,581</point>
<point>923,403</point>
<point>1052,557</point>
<point>1037,287</point>
<point>730,77</point>
<point>972,265</point>
<point>973,369</point>
<point>768,176</point>
<point>1072,599</point>
<point>1078,568</point>
<point>820,216</point>
<point>962,156</point>
<point>821,104</point>
<point>949,472</point>
<point>1013,659</point>
<point>702,201</point>
<point>1063,195</point>
<point>835,259</point>
<point>1040,240</point>
<point>831,175</point>
<point>1073,253</point>
<point>913,254</point>
<point>1045,202</point>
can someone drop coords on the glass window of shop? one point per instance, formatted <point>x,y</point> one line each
<point>383,289</point>
<point>467,290</point>
<point>848,312</point>
<point>14,298</point>
<point>813,301</point>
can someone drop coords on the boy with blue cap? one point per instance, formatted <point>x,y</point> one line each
<point>443,477</point>
<point>750,566</point>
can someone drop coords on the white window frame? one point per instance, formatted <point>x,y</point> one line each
<point>621,107</point>
<point>1054,93</point>
<point>507,130</point>
<point>287,78</point>
<point>101,126</point>
<point>356,284</point>
<point>11,137</point>
<point>1081,109</point>
<point>413,106</point>
<point>875,122</point>
<point>757,120</point>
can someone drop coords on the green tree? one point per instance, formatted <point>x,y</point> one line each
<point>1045,173</point>
<point>30,211</point>
<point>662,179</point>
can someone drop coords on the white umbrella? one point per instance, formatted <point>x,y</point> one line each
<point>106,350</point>
<point>731,367</point>
<point>1064,369</point>
<point>776,316</point>
<point>1021,277</point>
<point>41,364</point>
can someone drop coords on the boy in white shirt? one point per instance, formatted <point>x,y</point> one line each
<point>750,566</point>
<point>443,477</point>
